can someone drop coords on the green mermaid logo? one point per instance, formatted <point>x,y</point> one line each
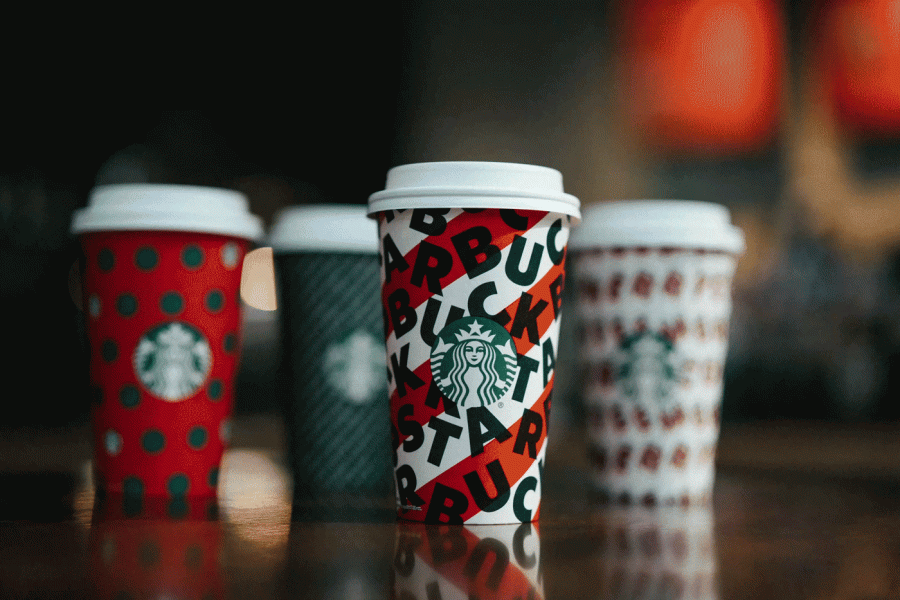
<point>648,370</point>
<point>173,361</point>
<point>474,361</point>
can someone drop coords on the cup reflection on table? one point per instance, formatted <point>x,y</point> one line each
<point>144,547</point>
<point>650,553</point>
<point>333,556</point>
<point>472,561</point>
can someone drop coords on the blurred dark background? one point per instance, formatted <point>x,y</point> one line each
<point>784,111</point>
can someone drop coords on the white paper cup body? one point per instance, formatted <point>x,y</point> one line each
<point>653,318</point>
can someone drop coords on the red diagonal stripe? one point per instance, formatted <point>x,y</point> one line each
<point>503,236</point>
<point>416,397</point>
<point>514,465</point>
<point>539,291</point>
<point>513,584</point>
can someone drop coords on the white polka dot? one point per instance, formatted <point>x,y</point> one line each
<point>113,442</point>
<point>94,305</point>
<point>229,255</point>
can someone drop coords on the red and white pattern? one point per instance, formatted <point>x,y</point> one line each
<point>659,553</point>
<point>425,255</point>
<point>488,562</point>
<point>161,549</point>
<point>661,449</point>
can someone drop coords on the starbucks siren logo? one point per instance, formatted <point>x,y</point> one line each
<point>647,370</point>
<point>355,366</point>
<point>173,360</point>
<point>473,361</point>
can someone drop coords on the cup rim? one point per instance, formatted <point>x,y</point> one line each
<point>343,228</point>
<point>658,223</point>
<point>474,184</point>
<point>167,207</point>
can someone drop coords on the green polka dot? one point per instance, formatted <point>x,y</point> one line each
<point>197,437</point>
<point>193,557</point>
<point>126,304</point>
<point>129,396</point>
<point>214,477</point>
<point>178,484</point>
<point>132,496</point>
<point>153,441</point>
<point>172,303</point>
<point>229,343</point>
<point>215,300</point>
<point>178,508</point>
<point>132,486</point>
<point>146,258</point>
<point>192,256</point>
<point>214,391</point>
<point>109,350</point>
<point>132,506</point>
<point>149,554</point>
<point>106,260</point>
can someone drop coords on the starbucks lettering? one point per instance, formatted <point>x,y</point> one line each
<point>473,268</point>
<point>487,562</point>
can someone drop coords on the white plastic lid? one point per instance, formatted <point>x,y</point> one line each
<point>474,185</point>
<point>324,228</point>
<point>658,223</point>
<point>162,207</point>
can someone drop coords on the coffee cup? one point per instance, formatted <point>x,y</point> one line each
<point>472,265</point>
<point>653,305</point>
<point>161,274</point>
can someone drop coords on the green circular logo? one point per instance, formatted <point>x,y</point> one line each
<point>648,368</point>
<point>354,365</point>
<point>474,362</point>
<point>173,361</point>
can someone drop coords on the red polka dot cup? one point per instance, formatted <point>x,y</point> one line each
<point>472,266</point>
<point>161,293</point>
<point>654,301</point>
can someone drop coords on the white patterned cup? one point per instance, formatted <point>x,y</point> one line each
<point>654,303</point>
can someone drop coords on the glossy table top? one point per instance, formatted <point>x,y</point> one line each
<point>800,511</point>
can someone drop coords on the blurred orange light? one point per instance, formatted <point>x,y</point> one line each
<point>859,57</point>
<point>702,75</point>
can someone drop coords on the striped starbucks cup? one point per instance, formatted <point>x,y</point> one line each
<point>472,266</point>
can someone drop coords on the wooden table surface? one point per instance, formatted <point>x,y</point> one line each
<point>801,511</point>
